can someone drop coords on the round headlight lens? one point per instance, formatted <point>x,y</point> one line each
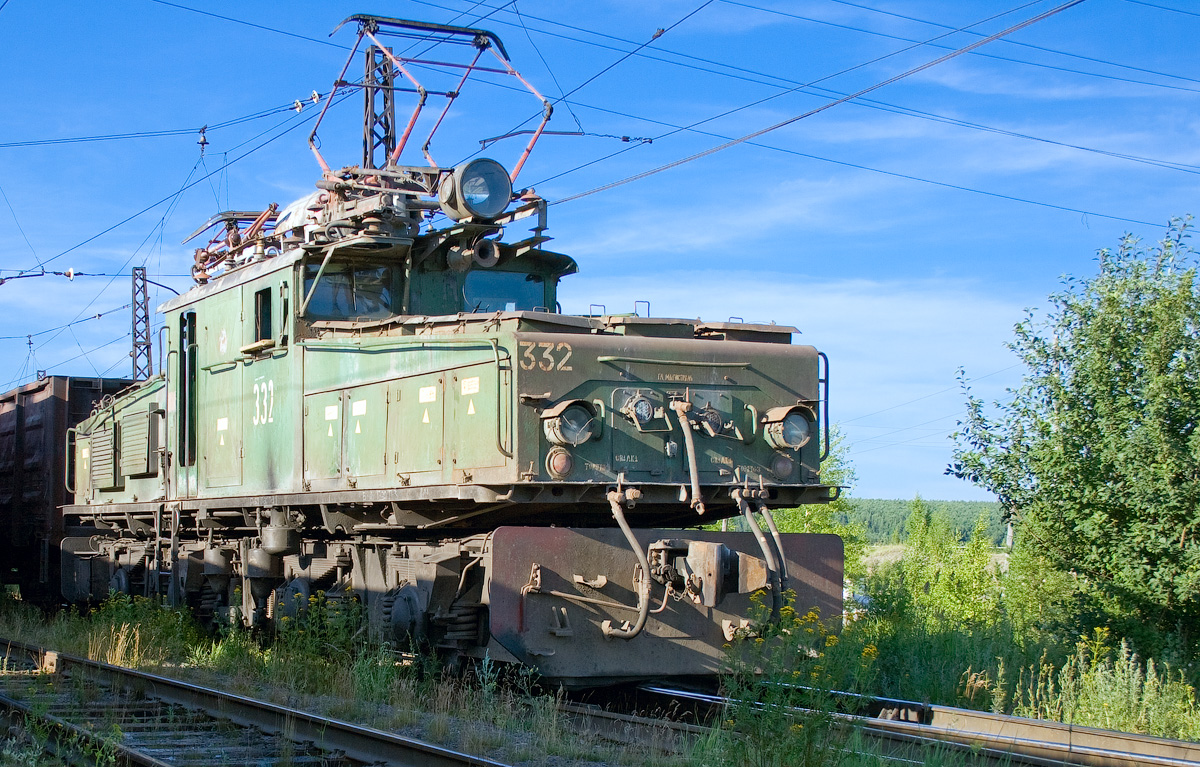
<point>478,189</point>
<point>796,430</point>
<point>559,462</point>
<point>791,432</point>
<point>572,427</point>
<point>643,410</point>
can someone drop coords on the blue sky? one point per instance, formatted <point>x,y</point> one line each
<point>904,234</point>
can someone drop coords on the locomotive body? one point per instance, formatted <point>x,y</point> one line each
<point>361,402</point>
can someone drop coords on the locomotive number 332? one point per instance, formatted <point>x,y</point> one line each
<point>552,357</point>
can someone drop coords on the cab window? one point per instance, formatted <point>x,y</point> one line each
<point>486,290</point>
<point>350,290</point>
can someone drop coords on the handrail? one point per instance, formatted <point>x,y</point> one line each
<point>824,383</point>
<point>70,459</point>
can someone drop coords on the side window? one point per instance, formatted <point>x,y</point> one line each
<point>187,389</point>
<point>262,315</point>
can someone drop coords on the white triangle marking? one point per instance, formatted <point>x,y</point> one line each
<point>470,407</point>
<point>222,439</point>
<point>426,418</point>
<point>357,428</point>
<point>330,430</point>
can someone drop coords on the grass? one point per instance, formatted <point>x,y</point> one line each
<point>899,647</point>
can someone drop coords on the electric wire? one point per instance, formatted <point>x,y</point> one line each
<point>291,107</point>
<point>154,205</point>
<point>800,87</point>
<point>20,228</point>
<point>992,55</point>
<point>260,27</point>
<point>546,64</point>
<point>1153,5</point>
<point>64,326</point>
<point>927,396</point>
<point>828,105</point>
<point>23,375</point>
<point>773,81</point>
<point>1021,44</point>
<point>625,57</point>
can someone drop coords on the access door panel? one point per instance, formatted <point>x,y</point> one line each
<point>365,418</point>
<point>323,440</point>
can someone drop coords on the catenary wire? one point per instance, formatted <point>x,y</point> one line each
<point>20,228</point>
<point>1163,7</point>
<point>927,396</point>
<point>291,107</point>
<point>626,55</point>
<point>64,326</point>
<point>823,107</point>
<point>765,99</point>
<point>154,205</point>
<point>991,55</point>
<point>771,79</point>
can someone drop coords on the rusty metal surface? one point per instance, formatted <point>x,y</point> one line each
<point>586,578</point>
<point>33,434</point>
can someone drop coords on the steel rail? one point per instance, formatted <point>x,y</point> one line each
<point>1033,741</point>
<point>357,743</point>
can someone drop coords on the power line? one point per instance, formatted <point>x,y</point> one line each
<point>261,27</point>
<point>154,205</point>
<point>22,375</point>
<point>865,103</point>
<point>627,54</point>
<point>155,133</point>
<point>1139,2</point>
<point>758,102</point>
<point>823,107</point>
<point>927,396</point>
<point>96,316</point>
<point>1031,46</point>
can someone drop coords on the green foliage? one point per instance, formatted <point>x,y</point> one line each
<point>950,583</point>
<point>833,517</point>
<point>883,518</point>
<point>1096,453</point>
<point>779,677</point>
<point>1042,603</point>
<point>140,631</point>
<point>1098,687</point>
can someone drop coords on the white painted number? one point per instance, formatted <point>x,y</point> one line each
<point>264,402</point>
<point>552,357</point>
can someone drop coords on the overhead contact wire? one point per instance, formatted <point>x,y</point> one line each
<point>822,108</point>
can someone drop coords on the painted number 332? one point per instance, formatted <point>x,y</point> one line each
<point>264,402</point>
<point>545,355</point>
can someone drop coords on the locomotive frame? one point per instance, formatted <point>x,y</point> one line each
<point>362,400</point>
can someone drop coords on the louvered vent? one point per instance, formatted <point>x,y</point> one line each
<point>138,438</point>
<point>104,460</point>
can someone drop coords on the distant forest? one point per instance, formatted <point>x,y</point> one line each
<point>883,518</point>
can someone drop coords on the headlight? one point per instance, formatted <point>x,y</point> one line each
<point>559,462</point>
<point>570,423</point>
<point>476,189</point>
<point>788,428</point>
<point>639,409</point>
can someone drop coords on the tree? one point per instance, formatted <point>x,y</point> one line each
<point>1096,456</point>
<point>832,517</point>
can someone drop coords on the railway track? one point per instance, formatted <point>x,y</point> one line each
<point>995,738</point>
<point>96,712</point>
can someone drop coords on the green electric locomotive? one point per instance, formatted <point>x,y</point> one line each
<point>369,393</point>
